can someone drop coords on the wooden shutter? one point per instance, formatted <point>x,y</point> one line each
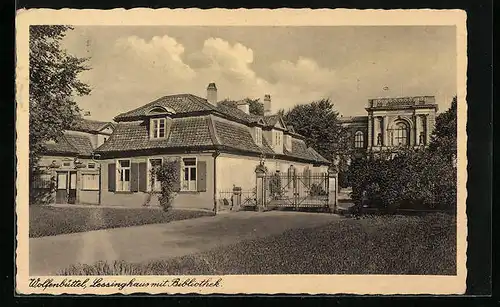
<point>134,177</point>
<point>201,169</point>
<point>111,177</point>
<point>143,175</point>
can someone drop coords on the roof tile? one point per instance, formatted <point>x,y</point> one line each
<point>182,103</point>
<point>185,132</point>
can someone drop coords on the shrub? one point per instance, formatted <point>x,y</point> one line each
<point>168,174</point>
<point>317,190</point>
<point>275,186</point>
<point>409,179</point>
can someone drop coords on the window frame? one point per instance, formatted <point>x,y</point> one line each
<point>359,139</point>
<point>84,187</point>
<point>278,138</point>
<point>183,167</point>
<point>119,175</point>
<point>258,135</point>
<point>401,132</point>
<point>155,127</point>
<point>148,177</point>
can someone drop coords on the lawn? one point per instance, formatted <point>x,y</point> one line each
<point>410,245</point>
<point>50,221</point>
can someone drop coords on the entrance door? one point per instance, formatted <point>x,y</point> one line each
<point>66,187</point>
<point>72,188</point>
<point>62,188</point>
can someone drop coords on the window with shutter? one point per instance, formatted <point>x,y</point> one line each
<point>123,180</point>
<point>202,176</point>
<point>143,177</point>
<point>111,177</point>
<point>188,174</point>
<point>134,174</point>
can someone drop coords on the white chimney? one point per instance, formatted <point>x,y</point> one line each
<point>267,104</point>
<point>244,106</point>
<point>212,94</point>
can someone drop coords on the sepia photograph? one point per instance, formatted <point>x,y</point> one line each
<point>200,152</point>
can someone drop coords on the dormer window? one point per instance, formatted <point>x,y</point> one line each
<point>158,128</point>
<point>258,135</point>
<point>278,138</point>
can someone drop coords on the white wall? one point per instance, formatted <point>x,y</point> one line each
<point>240,171</point>
<point>237,170</point>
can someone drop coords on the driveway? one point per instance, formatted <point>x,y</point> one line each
<point>49,255</point>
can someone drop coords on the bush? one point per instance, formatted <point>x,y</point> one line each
<point>317,190</point>
<point>275,186</point>
<point>168,175</point>
<point>408,180</point>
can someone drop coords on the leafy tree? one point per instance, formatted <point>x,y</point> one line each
<point>53,84</point>
<point>256,107</point>
<point>318,122</point>
<point>444,137</point>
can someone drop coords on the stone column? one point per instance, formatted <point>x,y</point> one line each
<point>376,129</point>
<point>260,174</point>
<point>418,129</point>
<point>385,135</point>
<point>332,189</point>
<point>427,128</point>
<point>370,130</point>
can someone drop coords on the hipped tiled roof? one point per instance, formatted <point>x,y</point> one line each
<point>184,132</point>
<point>87,125</point>
<point>238,137</point>
<point>182,103</point>
<point>70,144</point>
<point>238,114</point>
<point>81,143</point>
<point>197,123</point>
<point>195,132</point>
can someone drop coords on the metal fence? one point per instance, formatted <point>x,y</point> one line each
<point>236,199</point>
<point>293,190</point>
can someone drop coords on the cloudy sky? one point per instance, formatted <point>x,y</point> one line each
<point>132,66</point>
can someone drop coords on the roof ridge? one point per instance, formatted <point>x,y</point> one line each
<point>213,132</point>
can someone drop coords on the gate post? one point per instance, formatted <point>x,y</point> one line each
<point>332,189</point>
<point>260,186</point>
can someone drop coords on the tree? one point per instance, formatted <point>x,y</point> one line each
<point>444,137</point>
<point>317,121</point>
<point>53,84</point>
<point>255,106</point>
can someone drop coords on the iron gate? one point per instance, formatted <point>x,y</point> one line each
<point>296,190</point>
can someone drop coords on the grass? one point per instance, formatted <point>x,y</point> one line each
<point>50,221</point>
<point>409,245</point>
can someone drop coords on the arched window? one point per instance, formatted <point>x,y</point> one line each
<point>359,140</point>
<point>400,135</point>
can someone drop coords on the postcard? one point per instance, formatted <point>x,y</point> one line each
<point>248,151</point>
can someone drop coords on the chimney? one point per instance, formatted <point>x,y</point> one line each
<point>244,106</point>
<point>212,94</point>
<point>267,104</point>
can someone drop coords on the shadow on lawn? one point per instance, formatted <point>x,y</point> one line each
<point>403,245</point>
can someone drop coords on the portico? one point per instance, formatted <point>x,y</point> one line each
<point>392,123</point>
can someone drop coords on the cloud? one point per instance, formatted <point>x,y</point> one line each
<point>159,55</point>
<point>129,71</point>
<point>135,71</point>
